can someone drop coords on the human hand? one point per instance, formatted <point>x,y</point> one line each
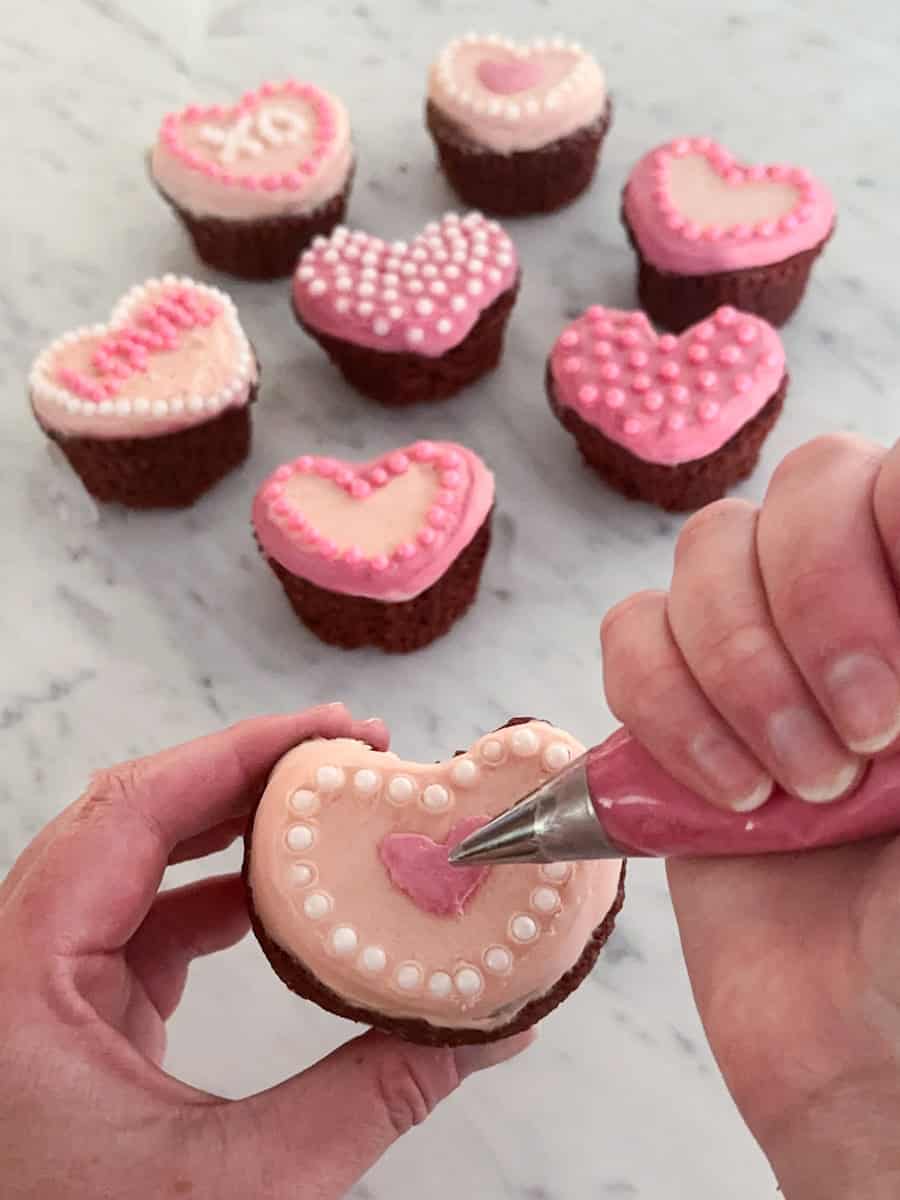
<point>776,655</point>
<point>93,960</point>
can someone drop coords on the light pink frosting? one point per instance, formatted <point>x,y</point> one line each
<point>282,149</point>
<point>387,529</point>
<point>422,296</point>
<point>667,399</point>
<point>510,97</point>
<point>694,209</point>
<point>324,894</point>
<point>172,355</point>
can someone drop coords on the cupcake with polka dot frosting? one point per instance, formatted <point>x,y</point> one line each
<point>254,182</point>
<point>386,553</point>
<point>152,408</point>
<point>410,321</point>
<point>674,421</point>
<point>518,127</point>
<point>392,935</point>
<point>709,230</point>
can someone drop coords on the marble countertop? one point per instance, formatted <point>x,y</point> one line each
<point>122,633</point>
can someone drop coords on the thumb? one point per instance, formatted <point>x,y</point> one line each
<point>316,1134</point>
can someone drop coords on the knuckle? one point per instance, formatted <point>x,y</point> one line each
<point>110,787</point>
<point>809,592</point>
<point>819,455</point>
<point>650,695</point>
<point>707,524</point>
<point>403,1091</point>
<point>619,622</point>
<point>733,654</point>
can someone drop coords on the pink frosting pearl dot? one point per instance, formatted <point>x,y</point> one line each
<point>705,332</point>
<point>360,489</point>
<point>398,463</point>
<point>329,548</point>
<point>772,359</point>
<point>451,458</point>
<point>713,233</point>
<point>326,467</point>
<point>698,353</point>
<point>631,426</point>
<point>588,394</point>
<point>741,232</point>
<point>679,393</point>
<point>681,147</point>
<point>765,229</point>
<point>709,381</point>
<point>729,355</point>
<point>725,316</point>
<point>692,231</point>
<point>614,398</point>
<point>675,221</point>
<point>637,358</point>
<point>667,343</point>
<point>569,338</point>
<point>788,223</point>
<point>451,479</point>
<point>675,421</point>
<point>437,517</point>
<point>596,312</point>
<point>635,318</point>
<point>627,337</point>
<point>641,383</point>
<point>283,473</point>
<point>654,401</point>
<point>602,349</point>
<point>344,476</point>
<point>427,537</point>
<point>297,523</point>
<point>446,499</point>
<point>708,410</point>
<point>281,507</point>
<point>378,476</point>
<point>380,563</point>
<point>610,371</point>
<point>746,333</point>
<point>273,491</point>
<point>572,366</point>
<point>743,383</point>
<point>756,172</point>
<point>354,556</point>
<point>406,551</point>
<point>778,171</point>
<point>424,451</point>
<point>670,370</point>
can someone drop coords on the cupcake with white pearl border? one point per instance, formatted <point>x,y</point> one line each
<point>254,182</point>
<point>410,321</point>
<point>152,408</point>
<point>386,553</point>
<point>390,934</point>
<point>517,127</point>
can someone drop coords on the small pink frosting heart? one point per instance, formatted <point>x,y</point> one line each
<point>419,867</point>
<point>508,75</point>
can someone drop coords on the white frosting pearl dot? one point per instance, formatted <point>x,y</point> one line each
<point>440,984</point>
<point>492,750</point>
<point>300,837</point>
<point>366,781</point>
<point>557,755</point>
<point>545,899</point>
<point>497,959</point>
<point>302,874</point>
<point>373,959</point>
<point>523,928</point>
<point>408,976</point>
<point>465,773</point>
<point>304,801</point>
<point>524,742</point>
<point>436,798</point>
<point>317,905</point>
<point>468,981</point>
<point>556,872</point>
<point>343,939</point>
<point>401,789</point>
<point>329,779</point>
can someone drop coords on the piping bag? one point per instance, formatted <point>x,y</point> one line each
<point>615,801</point>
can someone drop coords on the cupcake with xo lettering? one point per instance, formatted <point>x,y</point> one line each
<point>152,408</point>
<point>518,128</point>
<point>388,553</point>
<point>674,421</point>
<point>255,181</point>
<point>391,934</point>
<point>410,321</point>
<point>709,231</point>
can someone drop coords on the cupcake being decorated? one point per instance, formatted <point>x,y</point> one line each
<point>388,553</point>
<point>674,421</point>
<point>254,182</point>
<point>709,231</point>
<point>152,408</point>
<point>518,128</point>
<point>410,321</point>
<point>391,934</point>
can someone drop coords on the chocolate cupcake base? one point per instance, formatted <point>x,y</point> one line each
<point>676,301</point>
<point>262,248</point>
<point>397,379</point>
<point>524,182</point>
<point>399,627</point>
<point>295,975</point>
<point>172,470</point>
<point>680,488</point>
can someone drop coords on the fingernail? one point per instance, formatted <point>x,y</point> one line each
<point>812,764</point>
<point>732,773</point>
<point>470,1059</point>
<point>864,694</point>
<point>335,706</point>
<point>370,721</point>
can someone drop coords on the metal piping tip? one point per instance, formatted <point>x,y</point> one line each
<point>555,823</point>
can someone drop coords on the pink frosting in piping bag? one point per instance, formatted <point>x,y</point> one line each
<point>647,813</point>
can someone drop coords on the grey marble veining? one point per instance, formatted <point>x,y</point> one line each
<point>122,633</point>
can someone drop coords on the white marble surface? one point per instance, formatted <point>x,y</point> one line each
<point>122,633</point>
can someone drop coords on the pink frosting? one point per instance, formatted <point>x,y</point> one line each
<point>422,296</point>
<point>694,209</point>
<point>509,97</point>
<point>387,529</point>
<point>645,811</point>
<point>421,869</point>
<point>172,355</point>
<point>325,895</point>
<point>667,399</point>
<point>282,149</point>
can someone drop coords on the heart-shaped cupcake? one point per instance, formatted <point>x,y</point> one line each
<point>423,296</point>
<point>348,927</point>
<point>172,355</point>
<point>693,209</point>
<point>386,529</point>
<point>666,399</point>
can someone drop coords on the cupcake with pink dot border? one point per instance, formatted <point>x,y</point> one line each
<point>674,421</point>
<point>709,231</point>
<point>388,553</point>
<point>410,321</point>
<point>254,182</point>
